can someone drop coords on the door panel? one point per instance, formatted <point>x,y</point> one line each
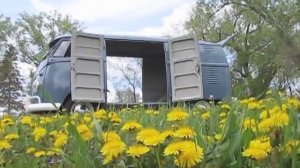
<point>87,74</point>
<point>185,69</point>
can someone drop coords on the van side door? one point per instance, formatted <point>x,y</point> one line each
<point>87,67</point>
<point>186,80</point>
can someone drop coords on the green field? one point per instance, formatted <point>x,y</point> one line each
<point>242,133</point>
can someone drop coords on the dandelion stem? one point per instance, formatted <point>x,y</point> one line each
<point>158,159</point>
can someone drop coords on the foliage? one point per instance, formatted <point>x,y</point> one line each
<point>28,37</point>
<point>266,45</point>
<point>35,31</point>
<point>6,28</point>
<point>11,86</point>
<point>241,133</point>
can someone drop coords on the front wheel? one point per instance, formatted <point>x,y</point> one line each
<point>202,105</point>
<point>81,107</point>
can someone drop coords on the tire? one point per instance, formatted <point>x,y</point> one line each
<point>81,107</point>
<point>202,105</point>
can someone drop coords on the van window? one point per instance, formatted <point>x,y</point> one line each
<point>63,50</point>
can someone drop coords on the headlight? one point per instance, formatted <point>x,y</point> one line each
<point>35,86</point>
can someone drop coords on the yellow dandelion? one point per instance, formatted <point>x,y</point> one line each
<point>253,105</point>
<point>4,144</point>
<point>149,137</point>
<point>39,133</point>
<point>137,150</point>
<point>218,137</point>
<point>74,116</point>
<point>189,158</point>
<point>100,114</point>
<point>152,112</point>
<point>131,126</point>
<point>222,123</point>
<point>258,149</point>
<point>26,120</point>
<point>223,114</point>
<point>292,145</point>
<point>281,119</point>
<point>84,131</point>
<point>155,112</point>
<point>294,102</point>
<point>114,117</point>
<point>263,139</point>
<point>269,92</point>
<point>205,116</point>
<point>255,153</point>
<point>225,106</point>
<point>187,153</point>
<point>107,159</point>
<point>6,121</point>
<point>60,139</point>
<point>249,123</point>
<point>278,109</point>
<point>184,132</point>
<point>46,120</point>
<point>92,125</point>
<point>87,118</point>
<point>53,133</point>
<point>266,125</point>
<point>53,151</point>
<point>110,136</point>
<point>167,133</point>
<point>39,153</point>
<point>111,150</point>
<point>244,101</point>
<point>264,114</point>
<point>177,114</point>
<point>252,99</point>
<point>66,124</point>
<point>173,148</point>
<point>30,150</point>
<point>12,136</point>
<point>149,111</point>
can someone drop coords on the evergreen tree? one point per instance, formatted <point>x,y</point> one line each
<point>10,82</point>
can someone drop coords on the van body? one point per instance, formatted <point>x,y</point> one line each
<point>174,70</point>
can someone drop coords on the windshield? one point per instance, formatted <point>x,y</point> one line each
<point>63,50</point>
<point>60,48</point>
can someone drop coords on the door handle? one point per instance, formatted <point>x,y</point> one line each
<point>197,68</point>
<point>73,68</point>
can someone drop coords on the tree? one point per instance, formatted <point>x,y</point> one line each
<point>11,87</point>
<point>266,46</point>
<point>28,87</point>
<point>126,95</point>
<point>34,32</point>
<point>6,29</point>
<point>128,80</point>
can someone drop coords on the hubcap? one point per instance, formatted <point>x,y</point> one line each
<point>82,108</point>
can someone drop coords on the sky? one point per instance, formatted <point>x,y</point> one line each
<point>153,18</point>
<point>122,17</point>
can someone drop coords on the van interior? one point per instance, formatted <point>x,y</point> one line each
<point>154,78</point>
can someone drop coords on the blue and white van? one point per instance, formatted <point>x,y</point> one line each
<point>73,75</point>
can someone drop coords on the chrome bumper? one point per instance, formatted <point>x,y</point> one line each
<point>33,104</point>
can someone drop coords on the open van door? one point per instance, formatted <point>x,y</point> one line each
<point>186,80</point>
<point>87,67</point>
